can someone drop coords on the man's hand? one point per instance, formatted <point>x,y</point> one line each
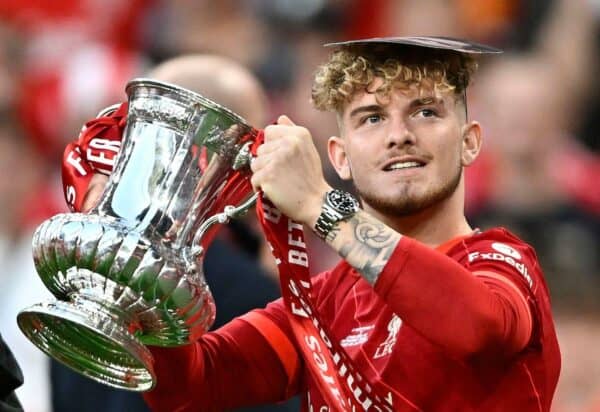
<point>289,172</point>
<point>94,191</point>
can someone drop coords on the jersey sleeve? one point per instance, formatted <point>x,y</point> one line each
<point>503,256</point>
<point>506,256</point>
<point>471,311</point>
<point>250,361</point>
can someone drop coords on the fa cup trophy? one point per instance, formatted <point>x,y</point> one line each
<point>129,272</point>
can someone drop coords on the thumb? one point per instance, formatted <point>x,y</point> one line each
<point>285,121</point>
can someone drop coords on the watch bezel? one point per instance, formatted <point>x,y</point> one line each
<point>342,202</point>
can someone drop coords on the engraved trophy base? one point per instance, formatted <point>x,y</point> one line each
<point>91,339</point>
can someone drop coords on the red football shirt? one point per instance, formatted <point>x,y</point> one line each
<point>255,359</point>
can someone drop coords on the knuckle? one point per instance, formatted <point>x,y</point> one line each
<point>291,143</point>
<point>269,167</point>
<point>255,180</point>
<point>303,132</point>
<point>294,146</point>
<point>271,132</point>
<point>256,163</point>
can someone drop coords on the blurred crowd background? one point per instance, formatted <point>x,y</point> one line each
<point>62,61</point>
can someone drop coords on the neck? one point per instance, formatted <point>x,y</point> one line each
<point>432,226</point>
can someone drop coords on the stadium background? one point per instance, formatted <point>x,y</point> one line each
<point>61,61</point>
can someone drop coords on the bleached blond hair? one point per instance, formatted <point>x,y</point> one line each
<point>353,69</point>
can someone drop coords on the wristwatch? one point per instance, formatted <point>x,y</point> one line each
<point>337,206</point>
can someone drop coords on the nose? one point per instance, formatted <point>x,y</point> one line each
<point>399,135</point>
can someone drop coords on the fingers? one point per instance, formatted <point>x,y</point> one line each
<point>267,148</point>
<point>94,191</point>
<point>285,127</point>
<point>291,133</point>
<point>261,166</point>
<point>256,180</point>
<point>285,121</point>
<point>284,142</point>
<point>278,131</point>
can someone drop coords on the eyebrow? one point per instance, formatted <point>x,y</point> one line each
<point>424,101</point>
<point>365,109</point>
<point>421,101</point>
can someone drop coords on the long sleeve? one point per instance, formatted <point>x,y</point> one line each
<point>466,311</point>
<point>237,365</point>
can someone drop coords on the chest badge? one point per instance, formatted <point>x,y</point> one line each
<point>386,347</point>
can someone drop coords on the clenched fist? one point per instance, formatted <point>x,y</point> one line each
<point>288,170</point>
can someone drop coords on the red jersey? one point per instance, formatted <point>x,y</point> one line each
<point>255,359</point>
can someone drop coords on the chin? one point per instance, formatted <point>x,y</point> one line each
<point>399,207</point>
<point>406,202</point>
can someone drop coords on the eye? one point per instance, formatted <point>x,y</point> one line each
<point>371,119</point>
<point>426,113</point>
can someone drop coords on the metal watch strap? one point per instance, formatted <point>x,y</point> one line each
<point>337,205</point>
<point>326,221</point>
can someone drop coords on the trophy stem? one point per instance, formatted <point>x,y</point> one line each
<point>92,339</point>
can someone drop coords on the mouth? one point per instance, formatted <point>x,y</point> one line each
<point>403,165</point>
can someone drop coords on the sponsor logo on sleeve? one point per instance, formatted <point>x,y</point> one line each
<point>507,250</point>
<point>357,336</point>
<point>506,254</point>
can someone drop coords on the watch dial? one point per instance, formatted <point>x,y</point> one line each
<point>343,202</point>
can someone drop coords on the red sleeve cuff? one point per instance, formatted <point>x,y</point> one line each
<point>394,267</point>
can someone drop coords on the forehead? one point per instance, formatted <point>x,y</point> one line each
<point>399,94</point>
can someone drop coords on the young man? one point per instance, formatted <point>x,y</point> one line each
<point>425,313</point>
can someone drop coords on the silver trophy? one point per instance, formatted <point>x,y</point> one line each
<point>129,273</point>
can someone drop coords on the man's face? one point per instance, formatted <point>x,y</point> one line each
<point>403,152</point>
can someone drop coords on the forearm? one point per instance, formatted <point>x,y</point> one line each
<point>365,243</point>
<point>431,292</point>
<point>225,369</point>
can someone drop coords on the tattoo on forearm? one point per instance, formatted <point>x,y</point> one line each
<point>367,246</point>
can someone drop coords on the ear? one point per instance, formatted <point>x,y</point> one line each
<point>471,143</point>
<point>336,149</point>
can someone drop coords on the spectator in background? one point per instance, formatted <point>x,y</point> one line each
<point>73,57</point>
<point>235,277</point>
<point>536,176</point>
<point>541,182</point>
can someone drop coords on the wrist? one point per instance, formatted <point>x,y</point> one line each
<point>337,205</point>
<point>315,207</point>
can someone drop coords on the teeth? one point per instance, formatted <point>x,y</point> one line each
<point>404,165</point>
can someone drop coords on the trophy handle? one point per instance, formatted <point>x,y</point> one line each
<point>229,212</point>
<point>243,159</point>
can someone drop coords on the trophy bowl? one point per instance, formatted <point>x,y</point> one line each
<point>129,272</point>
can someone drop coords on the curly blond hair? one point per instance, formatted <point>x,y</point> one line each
<point>353,69</point>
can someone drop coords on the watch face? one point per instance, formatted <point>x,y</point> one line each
<point>343,202</point>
